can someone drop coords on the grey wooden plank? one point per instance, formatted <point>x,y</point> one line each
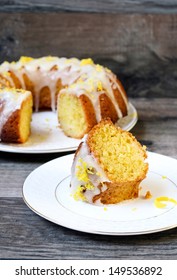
<point>12,179</point>
<point>14,169</point>
<point>25,235</point>
<point>156,110</point>
<point>159,136</point>
<point>141,49</point>
<point>153,79</point>
<point>104,6</point>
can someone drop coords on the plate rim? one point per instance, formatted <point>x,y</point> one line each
<point>13,148</point>
<point>91,231</point>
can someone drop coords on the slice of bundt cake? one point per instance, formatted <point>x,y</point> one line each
<point>95,95</point>
<point>15,115</point>
<point>108,166</point>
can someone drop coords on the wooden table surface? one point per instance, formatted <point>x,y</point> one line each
<point>25,235</point>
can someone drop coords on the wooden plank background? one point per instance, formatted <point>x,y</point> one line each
<point>139,48</point>
<point>104,6</point>
<point>136,39</point>
<point>121,37</point>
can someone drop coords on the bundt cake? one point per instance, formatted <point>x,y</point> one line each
<point>83,92</point>
<point>15,114</point>
<point>108,166</point>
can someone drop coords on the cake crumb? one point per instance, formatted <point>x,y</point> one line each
<point>148,195</point>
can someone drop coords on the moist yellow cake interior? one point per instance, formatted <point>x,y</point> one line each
<point>120,156</point>
<point>25,119</point>
<point>71,115</point>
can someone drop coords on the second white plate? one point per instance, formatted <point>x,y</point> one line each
<point>46,191</point>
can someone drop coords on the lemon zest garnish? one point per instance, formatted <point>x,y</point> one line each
<point>49,58</point>
<point>158,201</point>
<point>108,70</point>
<point>25,59</point>
<point>81,173</point>
<point>91,84</point>
<point>99,68</point>
<point>67,61</point>
<point>90,170</point>
<point>99,86</point>
<point>164,177</point>
<point>105,208</point>
<point>79,194</point>
<point>80,80</point>
<point>86,61</point>
<point>144,147</point>
<point>83,170</point>
<point>89,186</point>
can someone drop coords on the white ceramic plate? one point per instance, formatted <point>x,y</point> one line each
<point>46,191</point>
<point>47,137</point>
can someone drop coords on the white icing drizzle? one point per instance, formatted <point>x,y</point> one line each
<point>83,155</point>
<point>10,101</point>
<point>116,84</point>
<point>79,77</point>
